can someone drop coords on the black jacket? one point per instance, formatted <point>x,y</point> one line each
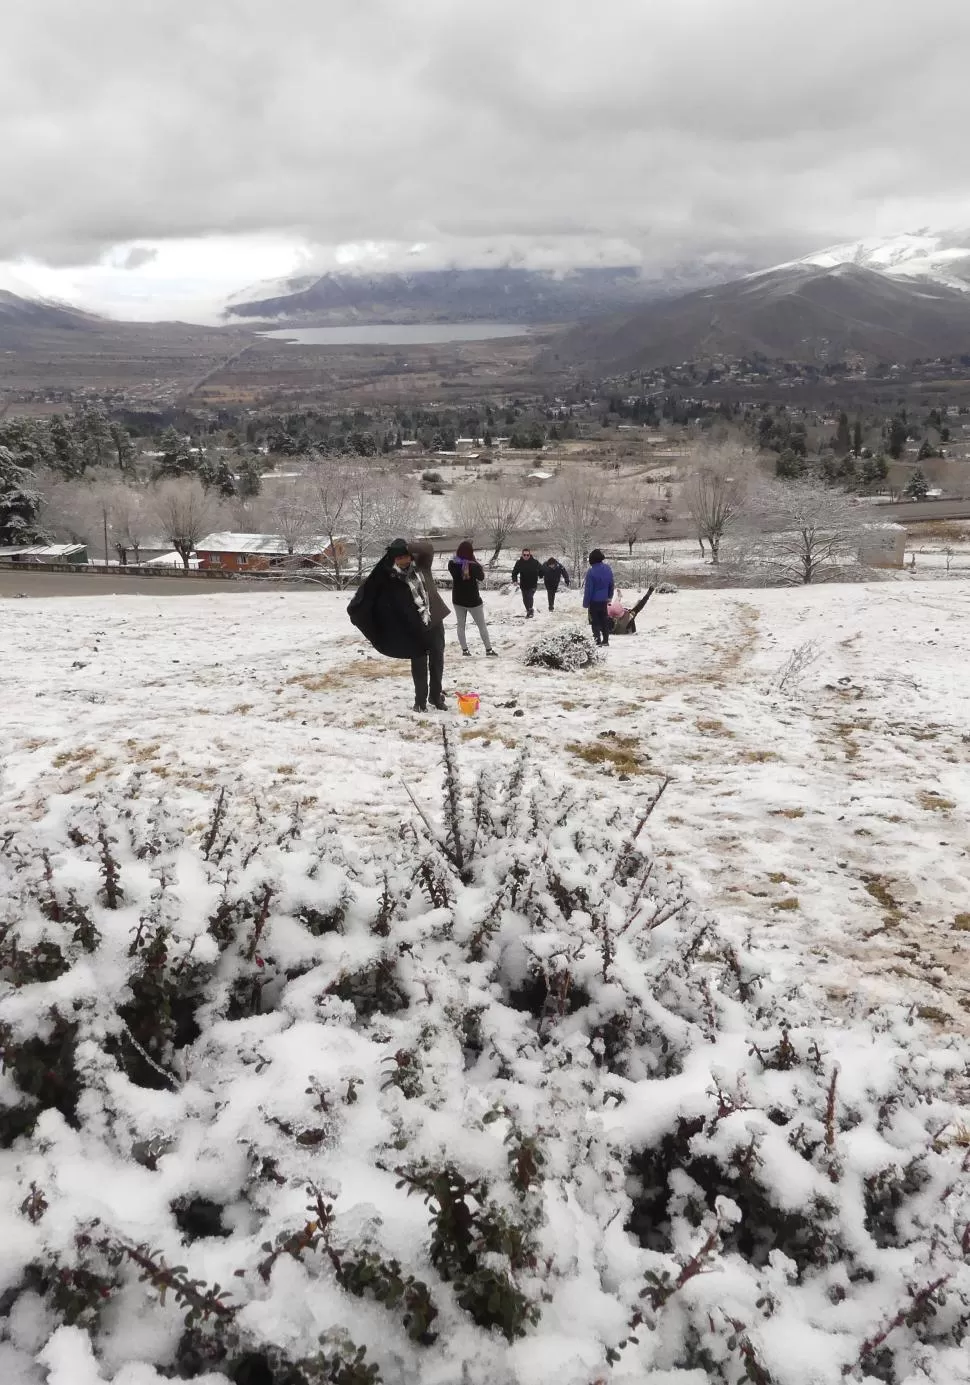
<point>527,572</point>
<point>384,612</point>
<point>464,590</point>
<point>553,573</point>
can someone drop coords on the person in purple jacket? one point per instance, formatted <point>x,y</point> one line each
<point>597,594</point>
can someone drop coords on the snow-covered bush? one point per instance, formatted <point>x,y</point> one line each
<point>566,649</point>
<point>667,589</point>
<point>495,1106</point>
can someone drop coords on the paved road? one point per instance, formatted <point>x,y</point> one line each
<point>908,511</point>
<point>31,584</point>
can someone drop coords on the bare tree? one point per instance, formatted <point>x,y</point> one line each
<point>802,531</point>
<point>631,508</point>
<point>330,488</point>
<point>491,511</point>
<point>129,518</point>
<point>380,509</point>
<point>576,512</point>
<point>290,513</point>
<point>184,512</point>
<point>715,495</point>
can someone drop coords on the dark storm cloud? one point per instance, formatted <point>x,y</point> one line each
<point>678,125</point>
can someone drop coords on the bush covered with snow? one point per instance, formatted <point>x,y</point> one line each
<point>567,649</point>
<point>497,1106</point>
<point>667,589</point>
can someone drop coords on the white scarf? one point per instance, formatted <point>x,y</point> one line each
<point>418,590</point>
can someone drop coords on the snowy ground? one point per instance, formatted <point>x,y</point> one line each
<point>826,813</point>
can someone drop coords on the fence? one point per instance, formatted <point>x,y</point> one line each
<point>131,570</point>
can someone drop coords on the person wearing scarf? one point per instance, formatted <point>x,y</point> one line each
<point>466,572</point>
<point>398,609</point>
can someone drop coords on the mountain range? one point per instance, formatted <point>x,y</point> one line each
<point>501,294</point>
<point>802,311</point>
<point>891,299</point>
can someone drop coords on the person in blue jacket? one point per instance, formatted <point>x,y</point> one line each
<point>597,594</point>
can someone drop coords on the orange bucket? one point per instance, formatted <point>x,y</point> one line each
<point>468,703</point>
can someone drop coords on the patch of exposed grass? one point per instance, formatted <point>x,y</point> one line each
<point>241,708</point>
<point>962,923</point>
<point>759,757</point>
<point>142,752</point>
<point>787,813</point>
<point>74,758</point>
<point>286,769</point>
<point>620,753</point>
<point>933,1013</point>
<point>934,802</point>
<point>877,888</point>
<point>711,726</point>
<point>788,904</point>
<point>370,670</point>
<point>778,877</point>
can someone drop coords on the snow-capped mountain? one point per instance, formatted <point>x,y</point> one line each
<point>940,257</point>
<point>22,306</point>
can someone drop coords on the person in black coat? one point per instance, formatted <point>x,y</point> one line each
<point>526,574</point>
<point>398,609</point>
<point>553,573</point>
<point>466,572</point>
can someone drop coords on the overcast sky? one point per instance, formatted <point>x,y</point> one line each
<point>279,130</point>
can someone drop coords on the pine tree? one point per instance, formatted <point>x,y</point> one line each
<point>20,503</point>
<point>68,457</point>
<point>842,439</point>
<point>176,459</point>
<point>857,437</point>
<point>919,487</point>
<point>898,433</point>
<point>123,446</point>
<point>250,474</point>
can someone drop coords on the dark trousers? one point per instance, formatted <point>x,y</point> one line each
<point>600,621</point>
<point>528,597</point>
<point>551,589</point>
<point>428,668</point>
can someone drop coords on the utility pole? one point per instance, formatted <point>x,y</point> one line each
<point>104,516</point>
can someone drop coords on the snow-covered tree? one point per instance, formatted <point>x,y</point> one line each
<point>715,494</point>
<point>801,531</point>
<point>330,489</point>
<point>184,511</point>
<point>576,512</point>
<point>918,487</point>
<point>20,503</point>
<point>492,512</point>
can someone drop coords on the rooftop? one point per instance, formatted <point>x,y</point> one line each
<point>269,544</point>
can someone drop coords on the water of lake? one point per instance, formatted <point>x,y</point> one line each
<point>397,334</point>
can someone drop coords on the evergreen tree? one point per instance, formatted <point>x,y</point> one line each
<point>789,466</point>
<point>843,441</point>
<point>177,458</point>
<point>67,455</point>
<point>20,503</point>
<point>897,435</point>
<point>94,432</point>
<point>919,487</point>
<point>857,437</point>
<point>123,446</point>
<point>250,473</point>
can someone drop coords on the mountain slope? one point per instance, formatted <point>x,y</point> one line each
<point>939,257</point>
<point>797,312</point>
<point>18,311</point>
<point>503,294</point>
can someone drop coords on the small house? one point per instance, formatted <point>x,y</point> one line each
<point>28,554</point>
<point>237,552</point>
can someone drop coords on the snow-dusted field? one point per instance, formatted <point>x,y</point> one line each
<point>828,815</point>
<point>685,1106</point>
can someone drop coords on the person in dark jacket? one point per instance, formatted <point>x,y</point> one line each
<point>553,573</point>
<point>398,609</point>
<point>597,593</point>
<point>526,574</point>
<point>466,573</point>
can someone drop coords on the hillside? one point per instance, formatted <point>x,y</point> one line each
<point>797,312</point>
<point>936,257</point>
<point>301,1087</point>
<point>18,311</point>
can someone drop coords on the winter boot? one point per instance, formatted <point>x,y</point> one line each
<point>420,706</point>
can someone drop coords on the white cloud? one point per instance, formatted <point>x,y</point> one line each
<point>674,126</point>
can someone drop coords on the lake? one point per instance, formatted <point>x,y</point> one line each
<point>397,334</point>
